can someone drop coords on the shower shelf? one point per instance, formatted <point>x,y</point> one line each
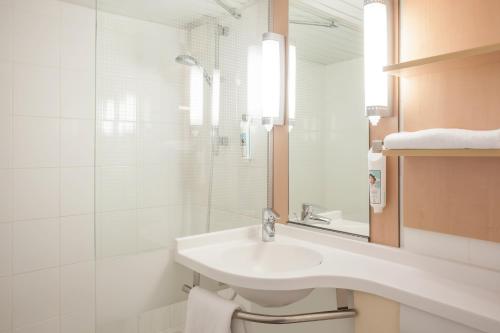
<point>442,152</point>
<point>459,59</point>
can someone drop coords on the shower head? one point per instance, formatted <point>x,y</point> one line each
<point>187,60</point>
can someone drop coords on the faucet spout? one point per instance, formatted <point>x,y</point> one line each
<point>269,219</point>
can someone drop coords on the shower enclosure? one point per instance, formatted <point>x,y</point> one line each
<point>172,101</point>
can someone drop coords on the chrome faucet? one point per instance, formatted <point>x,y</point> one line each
<point>269,218</point>
<point>308,215</point>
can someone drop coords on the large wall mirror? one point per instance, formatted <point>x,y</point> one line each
<point>329,133</point>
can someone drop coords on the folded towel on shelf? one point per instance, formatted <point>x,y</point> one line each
<point>444,138</point>
<point>210,313</point>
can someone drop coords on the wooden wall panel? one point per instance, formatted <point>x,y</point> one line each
<point>279,12</point>
<point>375,314</point>
<point>384,227</point>
<point>432,27</point>
<point>459,196</point>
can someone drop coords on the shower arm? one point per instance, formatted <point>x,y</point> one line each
<point>232,11</point>
<point>207,77</point>
<point>330,24</point>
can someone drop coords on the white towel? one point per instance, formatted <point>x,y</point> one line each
<point>210,313</point>
<point>444,138</point>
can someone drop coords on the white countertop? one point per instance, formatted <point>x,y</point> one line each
<point>461,293</point>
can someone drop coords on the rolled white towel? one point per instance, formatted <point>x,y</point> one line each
<point>207,312</point>
<point>444,138</point>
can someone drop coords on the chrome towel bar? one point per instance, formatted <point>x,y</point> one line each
<point>289,319</point>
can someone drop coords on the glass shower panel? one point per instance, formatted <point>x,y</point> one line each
<point>169,161</point>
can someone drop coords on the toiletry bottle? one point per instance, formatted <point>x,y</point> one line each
<point>245,137</point>
<point>376,179</point>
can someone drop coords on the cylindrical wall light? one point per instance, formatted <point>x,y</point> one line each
<point>376,56</point>
<point>273,80</point>
<point>254,82</point>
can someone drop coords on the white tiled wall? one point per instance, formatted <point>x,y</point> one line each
<point>46,165</point>
<point>416,321</point>
<point>466,250</point>
<point>150,172</point>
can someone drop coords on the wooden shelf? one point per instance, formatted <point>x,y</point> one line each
<point>470,57</point>
<point>442,152</point>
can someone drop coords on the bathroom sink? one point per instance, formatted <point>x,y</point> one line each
<point>271,257</point>
<point>288,269</point>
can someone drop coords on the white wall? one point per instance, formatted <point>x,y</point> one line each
<point>46,167</point>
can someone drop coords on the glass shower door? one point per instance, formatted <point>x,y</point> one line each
<point>172,103</point>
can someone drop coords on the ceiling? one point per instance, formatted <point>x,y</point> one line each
<point>326,45</point>
<point>178,13</point>
<point>317,44</point>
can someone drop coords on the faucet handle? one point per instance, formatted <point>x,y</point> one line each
<point>269,215</point>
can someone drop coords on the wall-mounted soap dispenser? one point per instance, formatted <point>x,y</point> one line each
<point>377,177</point>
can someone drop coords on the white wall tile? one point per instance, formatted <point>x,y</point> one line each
<point>35,297</point>
<point>436,244</point>
<point>77,94</point>
<point>116,143</point>
<point>41,7</point>
<point>156,142</point>
<point>416,321</point>
<point>6,86</point>
<point>116,233</point>
<point>77,288</point>
<point>36,32</point>
<point>6,30</point>
<point>77,191</point>
<point>485,254</point>
<point>77,239</point>
<point>466,250</point>
<point>77,142</point>
<point>41,84</point>
<point>116,188</point>
<point>154,186</point>
<point>35,245</point>
<point>153,227</point>
<point>79,322</point>
<point>46,326</point>
<point>36,193</point>
<point>5,249</point>
<point>147,284</point>
<point>36,142</point>
<point>5,141</point>
<point>5,303</point>
<point>6,195</point>
<point>77,37</point>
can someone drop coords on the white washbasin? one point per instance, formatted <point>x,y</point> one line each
<point>299,260</point>
<point>271,257</point>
